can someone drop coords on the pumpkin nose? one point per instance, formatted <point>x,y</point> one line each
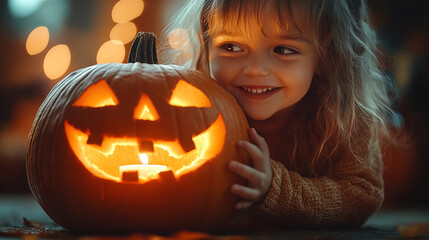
<point>145,146</point>
<point>145,109</point>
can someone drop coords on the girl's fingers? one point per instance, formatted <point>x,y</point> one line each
<point>249,173</point>
<point>259,141</point>
<point>245,192</point>
<point>243,205</point>
<point>259,175</point>
<point>256,155</point>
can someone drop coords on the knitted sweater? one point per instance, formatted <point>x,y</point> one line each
<point>352,192</point>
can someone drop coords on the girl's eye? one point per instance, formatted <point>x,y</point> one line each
<point>284,50</point>
<point>230,47</point>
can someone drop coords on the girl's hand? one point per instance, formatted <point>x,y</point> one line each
<point>259,176</point>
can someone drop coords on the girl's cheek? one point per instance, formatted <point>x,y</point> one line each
<point>223,70</point>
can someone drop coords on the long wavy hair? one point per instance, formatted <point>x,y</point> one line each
<point>347,107</point>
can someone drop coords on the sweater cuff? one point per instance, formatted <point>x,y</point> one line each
<point>272,197</point>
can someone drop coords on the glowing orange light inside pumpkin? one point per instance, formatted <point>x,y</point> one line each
<point>140,172</point>
<point>145,109</point>
<point>104,161</point>
<point>115,156</point>
<point>97,95</point>
<point>144,158</point>
<point>186,95</point>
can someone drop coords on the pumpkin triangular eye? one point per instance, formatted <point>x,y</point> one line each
<point>97,95</point>
<point>186,95</point>
<point>145,109</point>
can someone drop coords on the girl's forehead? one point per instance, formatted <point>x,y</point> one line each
<point>250,27</point>
<point>272,17</point>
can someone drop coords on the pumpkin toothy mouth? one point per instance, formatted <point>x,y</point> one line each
<point>105,159</point>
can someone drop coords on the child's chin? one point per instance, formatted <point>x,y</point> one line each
<point>257,116</point>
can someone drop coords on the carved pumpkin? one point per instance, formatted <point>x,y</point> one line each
<point>136,147</point>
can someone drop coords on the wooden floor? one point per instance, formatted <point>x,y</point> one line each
<point>22,218</point>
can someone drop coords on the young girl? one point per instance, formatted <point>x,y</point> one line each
<point>305,73</point>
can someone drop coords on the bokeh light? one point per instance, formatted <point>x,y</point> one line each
<point>179,39</point>
<point>124,32</point>
<point>24,8</point>
<point>28,14</point>
<point>111,51</point>
<point>57,61</point>
<point>127,10</point>
<point>37,40</point>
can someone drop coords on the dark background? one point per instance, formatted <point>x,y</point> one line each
<point>402,27</point>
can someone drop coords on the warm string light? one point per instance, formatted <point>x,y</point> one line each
<point>57,59</point>
<point>122,33</point>
<point>37,40</point>
<point>180,40</point>
<point>111,51</point>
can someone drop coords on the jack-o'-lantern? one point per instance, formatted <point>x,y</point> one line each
<point>136,147</point>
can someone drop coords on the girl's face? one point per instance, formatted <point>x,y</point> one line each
<point>267,68</point>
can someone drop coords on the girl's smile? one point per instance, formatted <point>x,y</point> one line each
<point>259,92</point>
<point>266,68</point>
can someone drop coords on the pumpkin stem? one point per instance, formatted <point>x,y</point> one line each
<point>143,49</point>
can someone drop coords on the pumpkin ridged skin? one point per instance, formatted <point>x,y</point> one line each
<point>78,200</point>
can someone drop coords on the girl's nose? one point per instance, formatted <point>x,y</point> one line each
<point>256,66</point>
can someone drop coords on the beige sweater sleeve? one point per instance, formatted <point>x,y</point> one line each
<point>345,199</point>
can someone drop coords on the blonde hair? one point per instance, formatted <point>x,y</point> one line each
<point>347,106</point>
